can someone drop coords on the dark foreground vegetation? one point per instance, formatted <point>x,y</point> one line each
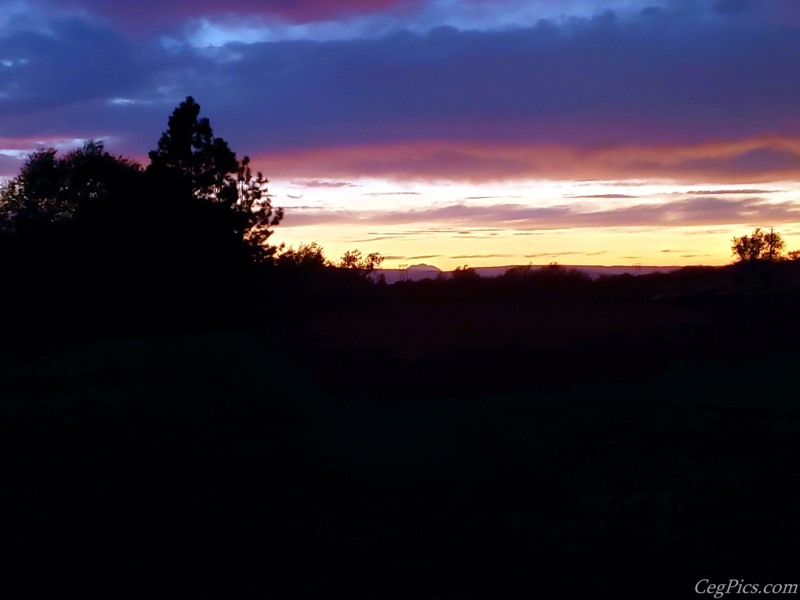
<point>186,415</point>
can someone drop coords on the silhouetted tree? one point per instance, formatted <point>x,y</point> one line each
<point>464,273</point>
<point>306,256</point>
<point>465,276</point>
<point>353,259</point>
<point>758,246</point>
<point>70,235</point>
<point>254,204</point>
<point>174,242</point>
<point>189,159</point>
<point>52,190</point>
<point>518,273</point>
<point>189,154</point>
<point>550,280</point>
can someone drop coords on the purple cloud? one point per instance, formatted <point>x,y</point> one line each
<point>676,76</point>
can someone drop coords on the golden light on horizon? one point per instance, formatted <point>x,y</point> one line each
<point>511,223</point>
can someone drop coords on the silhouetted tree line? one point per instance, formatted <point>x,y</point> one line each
<point>93,239</point>
<point>97,242</point>
<point>694,287</point>
<point>522,284</point>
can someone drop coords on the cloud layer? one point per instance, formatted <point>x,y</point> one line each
<point>695,211</point>
<point>703,91</point>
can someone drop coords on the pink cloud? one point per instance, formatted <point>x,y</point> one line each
<point>147,15</point>
<point>754,160</point>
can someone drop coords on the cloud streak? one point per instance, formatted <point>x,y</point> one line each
<point>702,211</point>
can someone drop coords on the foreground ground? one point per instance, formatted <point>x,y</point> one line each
<point>442,456</point>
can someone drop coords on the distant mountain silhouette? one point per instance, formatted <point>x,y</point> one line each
<point>412,273</point>
<point>424,267</point>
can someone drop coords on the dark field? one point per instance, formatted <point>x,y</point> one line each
<point>405,449</point>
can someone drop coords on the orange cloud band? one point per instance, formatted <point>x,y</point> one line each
<point>753,160</point>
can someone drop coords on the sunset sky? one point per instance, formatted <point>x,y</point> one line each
<point>450,132</point>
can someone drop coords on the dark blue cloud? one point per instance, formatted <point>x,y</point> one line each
<point>70,62</point>
<point>670,74</point>
<point>589,83</point>
<point>734,7</point>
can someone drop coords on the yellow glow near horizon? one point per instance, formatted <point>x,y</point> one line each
<point>532,222</point>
